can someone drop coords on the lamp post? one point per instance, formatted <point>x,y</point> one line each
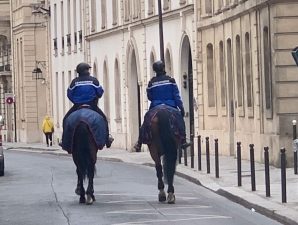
<point>161,42</point>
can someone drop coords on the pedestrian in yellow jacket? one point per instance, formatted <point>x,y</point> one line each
<point>48,129</point>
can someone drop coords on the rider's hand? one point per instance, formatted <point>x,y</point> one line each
<point>182,112</point>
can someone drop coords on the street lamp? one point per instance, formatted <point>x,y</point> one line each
<point>161,42</point>
<point>37,72</point>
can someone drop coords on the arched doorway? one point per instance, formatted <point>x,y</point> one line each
<point>134,97</point>
<point>187,85</point>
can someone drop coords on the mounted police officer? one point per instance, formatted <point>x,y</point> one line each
<point>162,89</point>
<point>86,90</point>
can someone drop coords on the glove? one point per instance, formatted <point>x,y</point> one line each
<point>182,112</point>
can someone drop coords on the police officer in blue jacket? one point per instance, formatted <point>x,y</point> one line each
<point>86,90</point>
<point>162,89</point>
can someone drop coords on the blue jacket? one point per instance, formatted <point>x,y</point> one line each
<point>163,90</point>
<point>84,89</point>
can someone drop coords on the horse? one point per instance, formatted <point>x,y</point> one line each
<point>84,154</point>
<point>164,143</point>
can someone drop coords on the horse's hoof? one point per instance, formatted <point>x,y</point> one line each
<point>82,199</point>
<point>89,200</point>
<point>93,198</point>
<point>78,191</point>
<point>171,198</point>
<point>162,196</point>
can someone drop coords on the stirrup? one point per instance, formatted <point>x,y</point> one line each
<point>137,147</point>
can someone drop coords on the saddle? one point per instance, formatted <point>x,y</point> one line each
<point>94,121</point>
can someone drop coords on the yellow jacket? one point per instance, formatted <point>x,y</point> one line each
<point>47,125</point>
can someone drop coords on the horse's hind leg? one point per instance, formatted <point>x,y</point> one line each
<point>90,189</point>
<point>161,186</point>
<point>80,187</point>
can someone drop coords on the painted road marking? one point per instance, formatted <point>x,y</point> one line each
<point>205,217</point>
<point>153,209</point>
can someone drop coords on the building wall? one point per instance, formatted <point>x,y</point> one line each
<point>66,26</point>
<point>30,41</point>
<point>266,119</point>
<point>132,43</point>
<point>5,69</point>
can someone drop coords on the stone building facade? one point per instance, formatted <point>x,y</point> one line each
<point>247,79</point>
<point>30,37</point>
<point>230,58</point>
<point>5,69</point>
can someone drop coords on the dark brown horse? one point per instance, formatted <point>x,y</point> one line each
<point>164,143</point>
<point>84,154</point>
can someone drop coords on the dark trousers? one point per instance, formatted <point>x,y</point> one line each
<point>49,137</point>
<point>93,107</point>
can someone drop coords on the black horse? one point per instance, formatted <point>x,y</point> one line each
<point>164,143</point>
<point>84,154</point>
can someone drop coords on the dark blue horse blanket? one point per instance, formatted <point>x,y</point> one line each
<point>176,122</point>
<point>95,123</point>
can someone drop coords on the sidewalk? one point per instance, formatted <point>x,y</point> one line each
<point>226,185</point>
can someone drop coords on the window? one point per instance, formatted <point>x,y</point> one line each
<point>63,93</point>
<point>210,76</point>
<point>68,83</point>
<point>166,4</point>
<point>68,17</point>
<point>248,70</point>
<point>93,15</point>
<point>118,90</point>
<point>168,62</point>
<point>222,74</point>
<point>75,24</point>
<point>62,27</point>
<point>267,72</point>
<point>152,60</point>
<point>239,71</point>
<point>55,20</point>
<point>208,7</point>
<point>115,12</point>
<point>103,14</point>
<point>230,77</point>
<point>151,7</point>
<point>126,10</point>
<point>57,99</point>
<point>107,90</point>
<point>136,9</point>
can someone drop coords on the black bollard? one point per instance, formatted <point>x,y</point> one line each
<point>283,175</point>
<point>192,153</point>
<point>207,155</point>
<point>216,159</point>
<point>267,171</point>
<point>252,167</point>
<point>295,150</point>
<point>185,156</point>
<point>199,153</point>
<point>239,164</point>
<point>180,154</point>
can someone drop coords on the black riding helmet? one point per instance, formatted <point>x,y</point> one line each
<point>159,67</point>
<point>82,68</point>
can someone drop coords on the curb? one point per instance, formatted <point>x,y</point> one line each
<point>262,210</point>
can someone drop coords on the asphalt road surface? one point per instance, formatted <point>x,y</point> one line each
<point>38,189</point>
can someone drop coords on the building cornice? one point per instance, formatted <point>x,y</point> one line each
<point>27,26</point>
<point>140,23</point>
<point>237,12</point>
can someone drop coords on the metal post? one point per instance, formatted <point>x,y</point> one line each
<point>216,159</point>
<point>199,153</point>
<point>239,163</point>
<point>15,121</point>
<point>283,175</point>
<point>161,41</point>
<point>192,153</point>
<point>207,155</point>
<point>252,167</point>
<point>295,150</point>
<point>267,171</point>
<point>185,156</point>
<point>180,154</point>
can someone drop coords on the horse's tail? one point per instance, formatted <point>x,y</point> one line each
<point>82,149</point>
<point>169,145</point>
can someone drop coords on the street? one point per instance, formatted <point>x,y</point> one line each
<point>39,189</point>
